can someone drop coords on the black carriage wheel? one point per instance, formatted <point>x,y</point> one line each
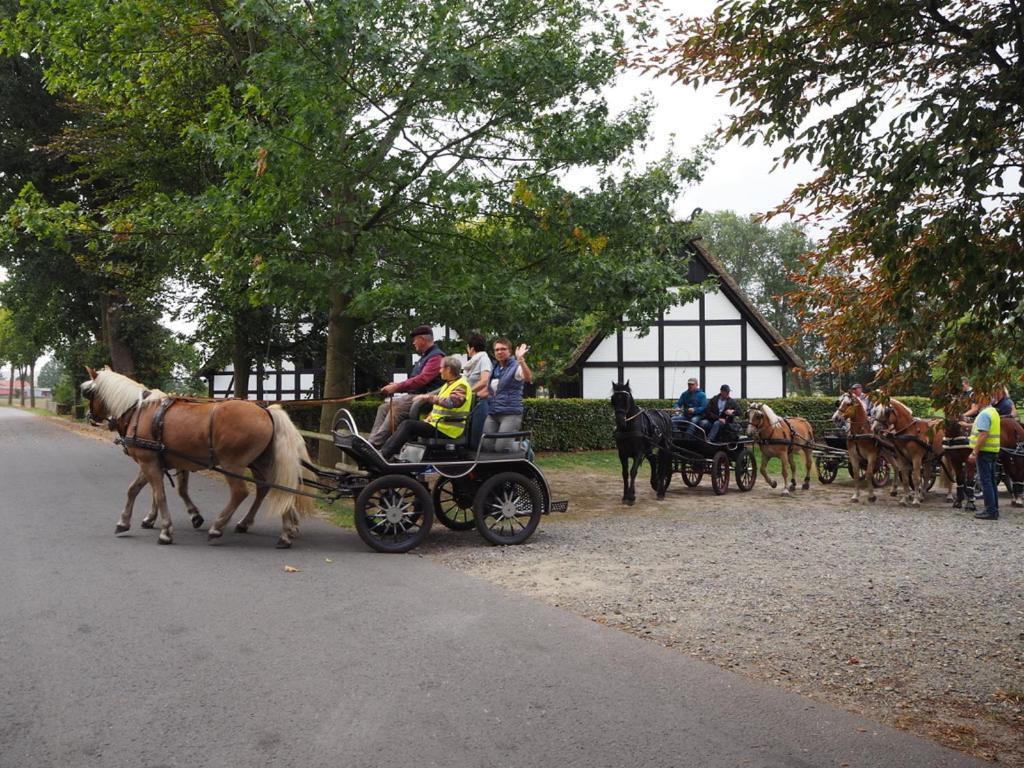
<point>883,473</point>
<point>720,472</point>
<point>827,469</point>
<point>393,513</point>
<point>453,504</point>
<point>691,474</point>
<point>746,470</point>
<point>508,507</point>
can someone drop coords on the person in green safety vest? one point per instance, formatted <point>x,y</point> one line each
<point>984,440</point>
<point>454,398</point>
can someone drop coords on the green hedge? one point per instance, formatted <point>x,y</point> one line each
<point>574,424</point>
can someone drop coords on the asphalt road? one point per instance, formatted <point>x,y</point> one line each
<point>115,651</point>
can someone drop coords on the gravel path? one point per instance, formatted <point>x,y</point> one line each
<point>911,617</point>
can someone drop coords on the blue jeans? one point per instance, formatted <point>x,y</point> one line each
<point>716,427</point>
<point>989,480</point>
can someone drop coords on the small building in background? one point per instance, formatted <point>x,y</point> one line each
<point>720,338</point>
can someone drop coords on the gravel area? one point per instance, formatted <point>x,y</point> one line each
<point>912,617</point>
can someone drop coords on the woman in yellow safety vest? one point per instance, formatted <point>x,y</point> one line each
<point>454,399</point>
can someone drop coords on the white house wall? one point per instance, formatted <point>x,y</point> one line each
<point>756,348</point>
<point>723,342</point>
<point>766,381</point>
<point>710,339</point>
<point>717,306</point>
<point>607,351</point>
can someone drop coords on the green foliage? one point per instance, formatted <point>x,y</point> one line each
<point>51,373</point>
<point>912,112</point>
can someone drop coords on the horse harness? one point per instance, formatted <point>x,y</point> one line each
<point>156,443</point>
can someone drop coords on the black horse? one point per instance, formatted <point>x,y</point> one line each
<point>640,433</point>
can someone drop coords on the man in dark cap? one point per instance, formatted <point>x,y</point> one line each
<point>720,411</point>
<point>424,376</point>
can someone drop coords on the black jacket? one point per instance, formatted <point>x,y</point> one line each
<point>711,413</point>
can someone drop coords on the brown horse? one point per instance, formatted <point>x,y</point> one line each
<point>1011,458</point>
<point>781,437</point>
<point>162,432</point>
<point>915,443</point>
<point>862,446</point>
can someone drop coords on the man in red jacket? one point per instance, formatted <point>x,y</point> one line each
<point>425,376</point>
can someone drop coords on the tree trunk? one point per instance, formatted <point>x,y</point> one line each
<point>241,361</point>
<point>338,368</point>
<point>32,382</point>
<point>21,381</point>
<point>121,358</point>
<point>10,388</point>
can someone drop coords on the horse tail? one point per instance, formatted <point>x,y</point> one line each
<point>287,450</point>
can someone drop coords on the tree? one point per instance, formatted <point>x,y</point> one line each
<point>761,258</point>
<point>913,111</point>
<point>375,157</point>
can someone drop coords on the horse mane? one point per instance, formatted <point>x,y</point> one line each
<point>118,392</point>
<point>773,418</point>
<point>896,405</point>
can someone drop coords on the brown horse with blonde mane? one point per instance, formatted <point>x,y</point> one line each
<point>161,432</point>
<point>914,442</point>
<point>862,447</point>
<point>781,437</point>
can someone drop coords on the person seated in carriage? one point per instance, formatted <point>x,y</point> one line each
<point>721,411</point>
<point>424,377</point>
<point>690,406</point>
<point>448,416</point>
<point>1005,407</point>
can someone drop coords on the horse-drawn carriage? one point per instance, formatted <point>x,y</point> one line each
<point>502,494</point>
<point>833,455</point>
<point>694,455</point>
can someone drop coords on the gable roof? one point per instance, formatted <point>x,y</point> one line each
<point>708,265</point>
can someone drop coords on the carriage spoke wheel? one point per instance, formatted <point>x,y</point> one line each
<point>883,473</point>
<point>508,507</point>
<point>691,474</point>
<point>393,513</point>
<point>746,470</point>
<point>453,504</point>
<point>827,469</point>
<point>720,472</point>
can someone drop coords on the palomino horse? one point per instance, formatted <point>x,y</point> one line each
<point>914,441</point>
<point>781,437</point>
<point>162,432</point>
<point>862,447</point>
<point>639,433</point>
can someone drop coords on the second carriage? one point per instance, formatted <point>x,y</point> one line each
<point>832,456</point>
<point>694,455</point>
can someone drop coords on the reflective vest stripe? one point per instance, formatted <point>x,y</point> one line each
<point>994,434</point>
<point>451,429</point>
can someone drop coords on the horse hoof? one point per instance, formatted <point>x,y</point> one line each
<point>241,528</point>
<point>120,528</point>
<point>807,485</point>
<point>854,500</point>
<point>214,535</point>
<point>283,543</point>
<point>165,539</point>
<point>197,521</point>
<point>147,524</point>
<point>774,484</point>
<point>629,502</point>
<point>661,497</point>
<point>872,499</point>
